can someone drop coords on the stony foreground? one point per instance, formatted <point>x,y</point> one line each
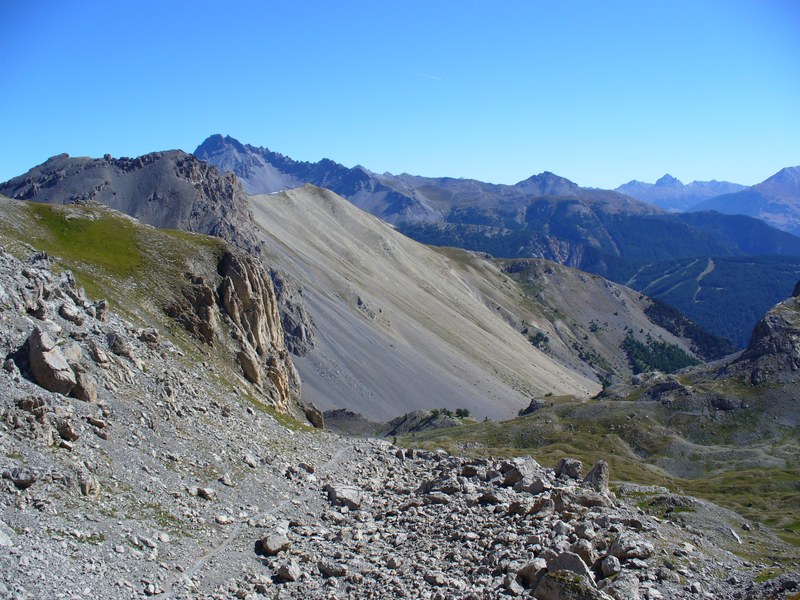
<point>132,469</point>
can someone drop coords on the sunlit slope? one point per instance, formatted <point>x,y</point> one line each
<point>400,326</point>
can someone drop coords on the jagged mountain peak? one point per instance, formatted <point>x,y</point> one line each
<point>669,181</point>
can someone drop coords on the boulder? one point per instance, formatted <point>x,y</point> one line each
<point>529,574</point>
<point>624,587</point>
<point>598,477</point>
<point>570,468</point>
<point>314,415</point>
<point>289,571</point>
<point>21,477</point>
<point>569,561</point>
<point>345,495</point>
<point>85,388</point>
<point>610,566</point>
<point>275,543</point>
<point>49,367</point>
<point>629,545</point>
<point>70,313</point>
<point>329,568</point>
<point>566,585</point>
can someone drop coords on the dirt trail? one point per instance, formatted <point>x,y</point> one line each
<point>709,269</point>
<point>311,489</point>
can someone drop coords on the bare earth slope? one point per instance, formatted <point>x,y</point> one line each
<point>399,326</point>
<point>402,326</point>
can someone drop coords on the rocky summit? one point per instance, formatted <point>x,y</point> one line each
<point>129,471</point>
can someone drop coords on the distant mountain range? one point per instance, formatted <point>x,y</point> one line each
<point>775,200</point>
<point>671,194</point>
<point>545,216</point>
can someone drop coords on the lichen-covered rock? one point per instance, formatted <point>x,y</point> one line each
<point>566,585</point>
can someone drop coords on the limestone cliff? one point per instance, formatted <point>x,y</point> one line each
<point>237,308</point>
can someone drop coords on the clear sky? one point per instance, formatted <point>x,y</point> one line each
<point>600,92</point>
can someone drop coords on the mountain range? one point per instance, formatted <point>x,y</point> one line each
<point>355,294</point>
<point>672,195</point>
<point>775,200</point>
<point>546,216</point>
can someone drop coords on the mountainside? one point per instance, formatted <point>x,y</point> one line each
<point>222,299</point>
<point>381,299</point>
<point>775,200</point>
<point>671,194</point>
<point>545,216</point>
<point>165,189</point>
<point>727,295</point>
<point>461,331</point>
<point>171,190</point>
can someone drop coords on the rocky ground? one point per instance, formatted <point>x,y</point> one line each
<point>130,470</point>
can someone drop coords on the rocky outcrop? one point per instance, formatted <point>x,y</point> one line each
<point>774,348</point>
<point>237,308</point>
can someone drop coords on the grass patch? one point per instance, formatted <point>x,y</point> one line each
<point>107,243</point>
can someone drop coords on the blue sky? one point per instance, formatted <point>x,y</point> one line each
<point>598,92</point>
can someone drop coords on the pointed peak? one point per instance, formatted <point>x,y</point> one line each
<point>669,181</point>
<point>216,143</point>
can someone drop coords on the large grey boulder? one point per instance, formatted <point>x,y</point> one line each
<point>49,367</point>
<point>345,495</point>
<point>630,545</point>
<point>570,561</point>
<point>566,585</point>
<point>275,543</point>
<point>570,468</point>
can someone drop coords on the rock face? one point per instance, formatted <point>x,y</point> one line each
<point>239,309</point>
<point>775,343</point>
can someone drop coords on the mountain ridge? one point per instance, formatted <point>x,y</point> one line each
<point>672,195</point>
<point>776,200</point>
